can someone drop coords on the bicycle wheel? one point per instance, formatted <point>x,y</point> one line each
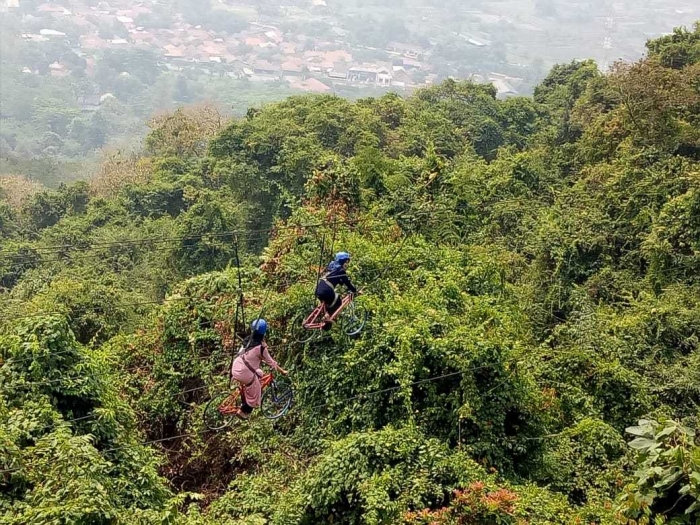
<point>220,409</point>
<point>354,318</point>
<point>277,400</point>
<point>300,334</point>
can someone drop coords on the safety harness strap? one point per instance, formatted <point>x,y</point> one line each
<point>243,351</point>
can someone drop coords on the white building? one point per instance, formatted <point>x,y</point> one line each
<point>51,33</point>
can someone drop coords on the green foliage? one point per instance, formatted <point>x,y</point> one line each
<point>46,209</point>
<point>530,269</point>
<point>677,50</point>
<point>666,484</point>
<point>62,428</point>
<point>372,477</point>
<point>586,461</point>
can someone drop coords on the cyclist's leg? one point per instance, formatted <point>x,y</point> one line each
<point>245,407</point>
<point>327,295</point>
<point>253,393</point>
<point>249,393</point>
<point>331,312</point>
<point>337,301</point>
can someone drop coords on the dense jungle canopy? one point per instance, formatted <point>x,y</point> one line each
<point>532,268</point>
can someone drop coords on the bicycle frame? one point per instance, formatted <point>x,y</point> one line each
<point>315,319</point>
<point>228,406</point>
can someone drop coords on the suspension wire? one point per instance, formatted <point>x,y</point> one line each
<point>146,240</point>
<point>59,249</point>
<point>93,414</point>
<point>320,266</point>
<point>62,253</point>
<point>360,396</point>
<point>213,322</point>
<point>456,257</point>
<point>316,407</point>
<point>241,302</point>
<point>97,308</point>
<point>188,359</point>
<point>264,302</point>
<point>62,256</point>
<point>153,441</point>
<point>398,387</point>
<point>141,303</point>
<point>129,242</point>
<point>335,230</point>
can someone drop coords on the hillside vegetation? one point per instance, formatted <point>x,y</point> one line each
<point>532,268</point>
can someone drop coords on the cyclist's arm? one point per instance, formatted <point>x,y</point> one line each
<point>345,281</point>
<point>267,357</point>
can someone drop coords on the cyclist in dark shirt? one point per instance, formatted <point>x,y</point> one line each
<point>334,275</point>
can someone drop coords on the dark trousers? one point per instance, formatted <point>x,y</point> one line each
<point>328,296</point>
<point>245,407</point>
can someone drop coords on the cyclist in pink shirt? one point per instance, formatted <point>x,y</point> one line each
<point>246,367</point>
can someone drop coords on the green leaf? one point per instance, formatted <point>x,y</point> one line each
<point>637,431</point>
<point>642,443</point>
<point>670,429</point>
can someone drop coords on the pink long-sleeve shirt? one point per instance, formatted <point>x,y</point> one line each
<point>240,372</point>
<point>255,356</point>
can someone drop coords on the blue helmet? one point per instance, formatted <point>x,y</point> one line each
<point>342,257</point>
<point>259,326</point>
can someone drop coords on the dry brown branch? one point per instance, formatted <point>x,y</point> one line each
<point>14,189</point>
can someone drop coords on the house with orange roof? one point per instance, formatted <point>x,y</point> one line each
<point>172,51</point>
<point>292,66</point>
<point>263,67</point>
<point>142,37</point>
<point>53,8</point>
<point>254,41</point>
<point>337,56</point>
<point>213,48</point>
<point>310,85</point>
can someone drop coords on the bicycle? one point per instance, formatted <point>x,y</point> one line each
<point>276,401</point>
<point>351,316</point>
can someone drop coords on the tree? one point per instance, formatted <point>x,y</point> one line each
<point>678,50</point>
<point>185,132</point>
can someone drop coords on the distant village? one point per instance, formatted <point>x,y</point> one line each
<point>260,53</point>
